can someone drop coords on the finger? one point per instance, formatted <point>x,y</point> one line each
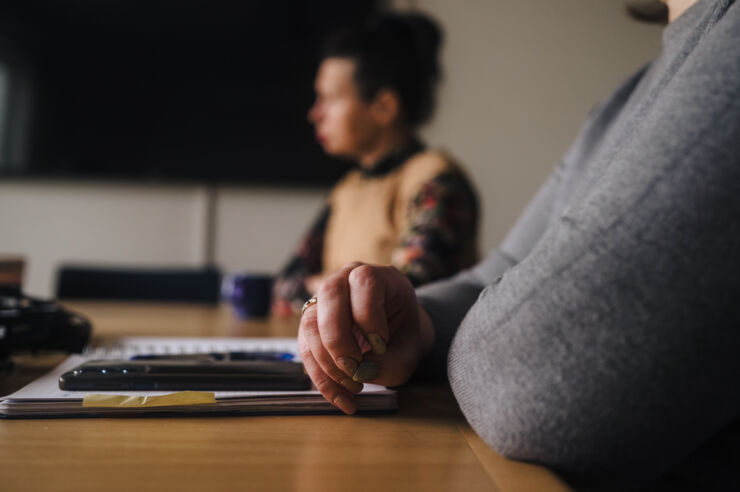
<point>339,347</point>
<point>367,287</point>
<point>402,356</point>
<point>394,368</point>
<point>360,339</point>
<point>310,340</point>
<point>329,389</point>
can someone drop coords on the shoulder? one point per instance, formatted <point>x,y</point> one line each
<point>427,166</point>
<point>428,163</point>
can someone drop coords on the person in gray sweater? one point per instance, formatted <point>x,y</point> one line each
<point>602,338</point>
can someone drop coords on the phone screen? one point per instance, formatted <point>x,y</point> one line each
<point>183,373</point>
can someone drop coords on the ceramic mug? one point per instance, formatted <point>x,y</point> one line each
<point>250,294</point>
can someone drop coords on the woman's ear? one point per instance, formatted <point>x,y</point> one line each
<point>386,107</point>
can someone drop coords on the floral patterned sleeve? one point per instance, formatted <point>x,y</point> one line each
<point>289,290</point>
<point>442,233</point>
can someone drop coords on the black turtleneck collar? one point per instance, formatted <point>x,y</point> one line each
<point>393,160</point>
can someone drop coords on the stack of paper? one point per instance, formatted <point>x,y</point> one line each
<point>43,398</point>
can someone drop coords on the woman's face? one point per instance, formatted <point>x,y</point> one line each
<point>345,124</point>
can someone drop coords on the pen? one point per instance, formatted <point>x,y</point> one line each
<point>220,356</point>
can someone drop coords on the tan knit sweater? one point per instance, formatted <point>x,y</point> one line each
<point>369,214</point>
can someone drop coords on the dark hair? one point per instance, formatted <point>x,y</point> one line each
<point>394,51</point>
<point>651,11</point>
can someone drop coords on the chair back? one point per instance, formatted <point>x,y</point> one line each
<point>135,284</point>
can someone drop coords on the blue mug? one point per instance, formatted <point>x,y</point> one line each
<point>250,294</point>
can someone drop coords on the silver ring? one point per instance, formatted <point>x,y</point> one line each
<point>308,304</point>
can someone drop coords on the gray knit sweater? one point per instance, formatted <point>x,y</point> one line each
<point>602,339</point>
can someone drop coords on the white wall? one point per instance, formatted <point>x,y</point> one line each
<point>143,225</point>
<point>258,229</point>
<point>520,77</point>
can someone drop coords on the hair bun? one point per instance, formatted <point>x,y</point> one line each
<point>428,38</point>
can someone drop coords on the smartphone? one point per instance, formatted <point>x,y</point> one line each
<point>183,373</point>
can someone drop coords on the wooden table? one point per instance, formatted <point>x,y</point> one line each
<point>426,446</point>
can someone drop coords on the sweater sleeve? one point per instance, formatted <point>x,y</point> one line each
<point>449,300</point>
<point>442,229</point>
<point>610,353</point>
<point>289,290</point>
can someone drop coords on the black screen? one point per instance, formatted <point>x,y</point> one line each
<point>200,91</point>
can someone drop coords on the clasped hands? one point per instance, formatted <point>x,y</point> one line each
<point>366,327</point>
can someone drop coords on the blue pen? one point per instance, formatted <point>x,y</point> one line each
<point>220,356</point>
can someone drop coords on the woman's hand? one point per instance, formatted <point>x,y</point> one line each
<point>366,326</point>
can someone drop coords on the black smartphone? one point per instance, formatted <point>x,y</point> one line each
<point>183,373</point>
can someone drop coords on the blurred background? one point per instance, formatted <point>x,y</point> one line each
<point>174,134</point>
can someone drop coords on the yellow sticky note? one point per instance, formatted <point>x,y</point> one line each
<point>172,399</point>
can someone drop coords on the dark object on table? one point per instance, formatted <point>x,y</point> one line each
<point>250,294</point>
<point>196,372</point>
<point>29,324</point>
<point>181,284</point>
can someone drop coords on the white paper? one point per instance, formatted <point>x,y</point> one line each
<point>44,397</point>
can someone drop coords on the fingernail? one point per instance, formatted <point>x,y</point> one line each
<point>351,385</point>
<point>361,340</point>
<point>377,343</point>
<point>347,364</point>
<point>344,404</point>
<point>367,371</point>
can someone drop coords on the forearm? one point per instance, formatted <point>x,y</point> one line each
<point>288,294</point>
<point>295,283</point>
<point>444,304</point>
<point>448,301</point>
<point>426,327</point>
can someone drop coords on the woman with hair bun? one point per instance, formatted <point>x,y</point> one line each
<point>403,205</point>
